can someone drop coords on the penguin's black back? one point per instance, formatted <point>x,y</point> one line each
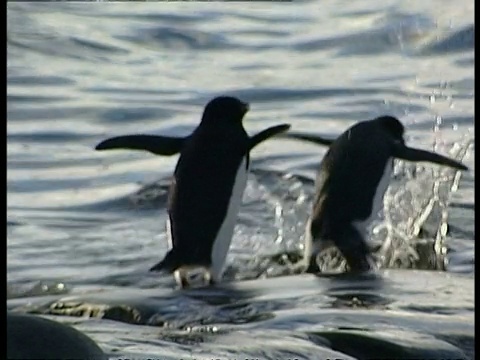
<point>350,172</point>
<point>203,182</point>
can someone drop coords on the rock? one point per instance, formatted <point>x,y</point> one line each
<point>35,337</point>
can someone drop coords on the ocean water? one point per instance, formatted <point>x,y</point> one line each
<point>83,227</point>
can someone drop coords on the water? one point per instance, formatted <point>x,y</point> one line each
<point>82,223</point>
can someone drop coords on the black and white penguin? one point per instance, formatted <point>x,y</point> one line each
<point>207,187</point>
<point>351,183</point>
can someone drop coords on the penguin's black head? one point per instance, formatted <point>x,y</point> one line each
<point>393,126</point>
<point>225,109</point>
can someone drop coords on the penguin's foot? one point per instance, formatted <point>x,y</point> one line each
<point>187,277</point>
<point>207,277</point>
<point>211,278</point>
<point>181,277</point>
<point>300,267</point>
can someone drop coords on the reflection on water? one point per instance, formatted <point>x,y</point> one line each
<point>273,314</point>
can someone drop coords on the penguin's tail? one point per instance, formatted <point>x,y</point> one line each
<point>169,264</point>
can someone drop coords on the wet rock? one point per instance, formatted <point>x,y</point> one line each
<point>35,337</point>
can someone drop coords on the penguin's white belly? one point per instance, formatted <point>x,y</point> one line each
<point>377,203</point>
<point>224,236</point>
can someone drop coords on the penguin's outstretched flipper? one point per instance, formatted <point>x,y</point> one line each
<point>401,151</point>
<point>158,145</point>
<point>267,133</point>
<point>315,139</point>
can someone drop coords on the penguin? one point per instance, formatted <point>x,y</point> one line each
<point>351,183</point>
<point>207,186</point>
